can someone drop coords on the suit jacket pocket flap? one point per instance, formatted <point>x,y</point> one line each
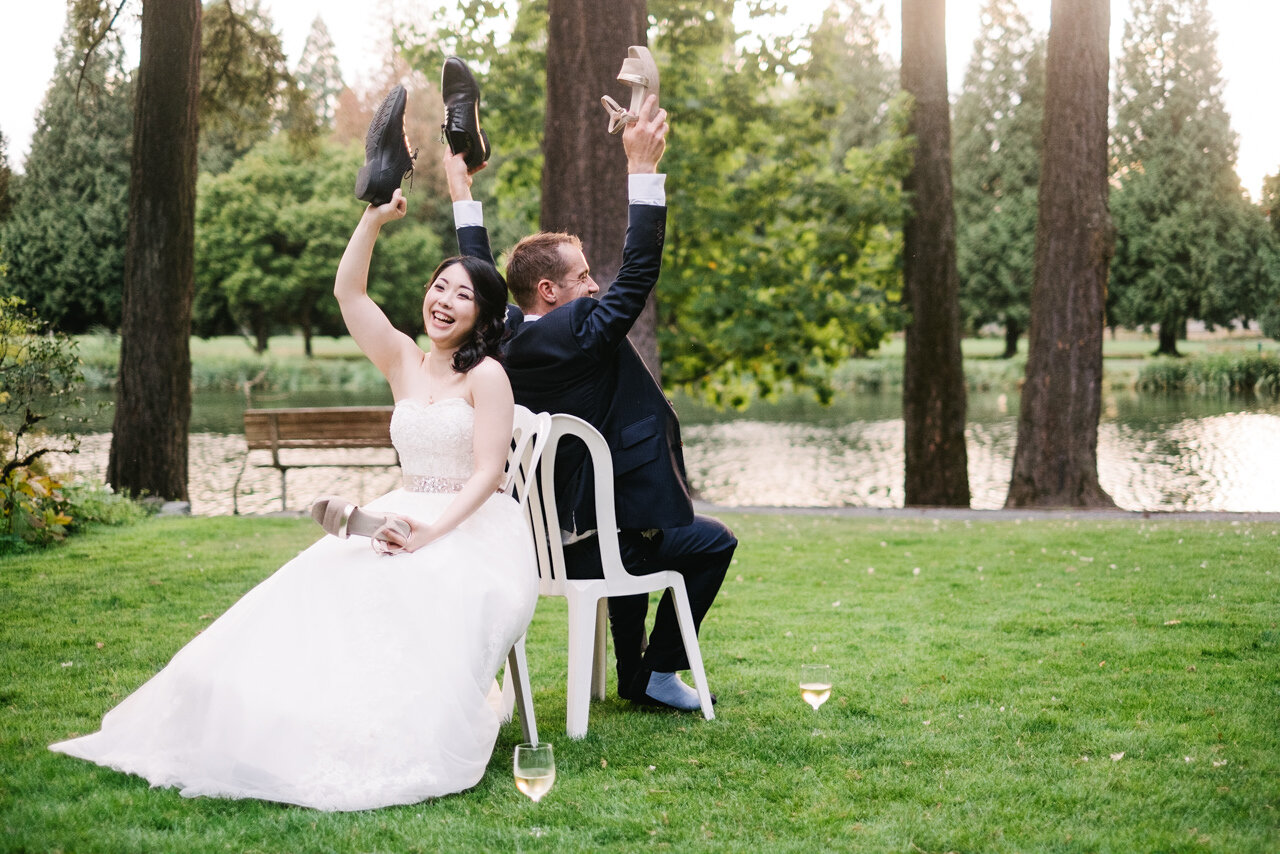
<point>635,433</point>
<point>638,444</point>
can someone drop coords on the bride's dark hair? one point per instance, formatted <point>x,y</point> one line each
<point>490,290</point>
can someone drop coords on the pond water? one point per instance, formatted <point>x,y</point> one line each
<point>1158,453</point>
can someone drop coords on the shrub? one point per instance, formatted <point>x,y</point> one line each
<point>97,504</point>
<point>40,382</point>
<point>1225,373</point>
<point>34,510</point>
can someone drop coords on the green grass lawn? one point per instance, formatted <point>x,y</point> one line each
<point>1028,686</point>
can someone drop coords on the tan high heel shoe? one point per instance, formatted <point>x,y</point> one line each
<point>342,519</point>
<point>640,72</point>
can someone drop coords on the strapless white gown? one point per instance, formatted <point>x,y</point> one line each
<point>346,680</point>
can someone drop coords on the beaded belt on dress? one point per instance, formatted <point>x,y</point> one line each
<point>433,483</point>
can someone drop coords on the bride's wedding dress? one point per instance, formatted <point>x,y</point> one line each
<point>347,680</point>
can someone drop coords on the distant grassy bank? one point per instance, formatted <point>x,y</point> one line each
<point>1000,686</point>
<point>1211,365</point>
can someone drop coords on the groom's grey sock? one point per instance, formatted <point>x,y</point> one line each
<point>669,688</point>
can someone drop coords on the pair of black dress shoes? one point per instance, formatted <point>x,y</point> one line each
<point>387,154</point>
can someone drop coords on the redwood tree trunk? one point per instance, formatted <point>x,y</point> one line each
<point>584,184</point>
<point>1055,463</point>
<point>153,397</point>
<point>933,399</point>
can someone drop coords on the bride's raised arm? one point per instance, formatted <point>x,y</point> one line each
<point>386,346</point>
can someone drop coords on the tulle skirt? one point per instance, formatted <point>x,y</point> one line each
<point>346,680</point>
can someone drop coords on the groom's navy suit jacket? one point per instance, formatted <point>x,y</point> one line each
<point>577,359</point>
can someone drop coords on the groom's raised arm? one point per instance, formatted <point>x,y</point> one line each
<point>468,216</point>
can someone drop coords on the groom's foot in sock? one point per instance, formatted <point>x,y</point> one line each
<point>665,689</point>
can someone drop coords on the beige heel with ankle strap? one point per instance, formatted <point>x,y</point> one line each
<point>640,72</point>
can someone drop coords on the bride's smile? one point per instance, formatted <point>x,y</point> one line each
<point>449,307</point>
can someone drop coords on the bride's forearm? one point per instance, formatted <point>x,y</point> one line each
<point>352,279</point>
<point>474,493</point>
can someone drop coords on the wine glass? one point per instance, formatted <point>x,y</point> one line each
<point>535,769</point>
<point>815,684</point>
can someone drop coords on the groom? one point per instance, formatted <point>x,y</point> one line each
<point>568,352</point>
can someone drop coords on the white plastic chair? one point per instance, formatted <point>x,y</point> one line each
<point>529,436</point>
<point>587,597</point>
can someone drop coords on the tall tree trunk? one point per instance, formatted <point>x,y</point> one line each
<point>1167,336</point>
<point>1055,463</point>
<point>261,334</point>
<point>584,188</point>
<point>1012,330</point>
<point>153,399</point>
<point>933,398</point>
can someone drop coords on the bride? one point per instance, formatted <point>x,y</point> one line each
<point>350,679</point>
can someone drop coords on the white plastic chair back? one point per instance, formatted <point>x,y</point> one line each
<point>587,597</point>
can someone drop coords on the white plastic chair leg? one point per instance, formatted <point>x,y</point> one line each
<point>598,672</point>
<point>517,692</point>
<point>582,615</point>
<point>684,615</point>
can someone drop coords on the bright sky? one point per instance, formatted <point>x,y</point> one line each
<point>1246,33</point>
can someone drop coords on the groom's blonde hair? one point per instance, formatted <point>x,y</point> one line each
<point>534,258</point>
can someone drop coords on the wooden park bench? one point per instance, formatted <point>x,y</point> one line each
<point>314,429</point>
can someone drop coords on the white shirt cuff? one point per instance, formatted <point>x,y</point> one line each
<point>647,188</point>
<point>467,213</point>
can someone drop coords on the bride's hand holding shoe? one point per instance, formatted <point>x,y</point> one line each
<point>390,538</point>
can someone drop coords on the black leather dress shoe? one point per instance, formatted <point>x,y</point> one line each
<point>387,158</point>
<point>461,128</point>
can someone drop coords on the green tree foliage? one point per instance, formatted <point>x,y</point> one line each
<point>505,46</point>
<point>64,240</point>
<point>39,382</point>
<point>318,74</point>
<point>1269,294</point>
<point>246,90</point>
<point>40,412</point>
<point>853,81</point>
<point>270,232</point>
<point>1179,207</point>
<point>1270,201</point>
<point>996,168</point>
<point>6,179</point>
<point>783,248</point>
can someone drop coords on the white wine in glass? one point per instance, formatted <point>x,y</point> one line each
<point>815,684</point>
<point>535,769</point>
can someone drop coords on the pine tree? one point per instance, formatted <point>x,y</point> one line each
<point>1270,201</point>
<point>857,79</point>
<point>6,180</point>
<point>318,74</point>
<point>1268,210</point>
<point>996,154</point>
<point>245,86</point>
<point>1178,193</point>
<point>64,243</point>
